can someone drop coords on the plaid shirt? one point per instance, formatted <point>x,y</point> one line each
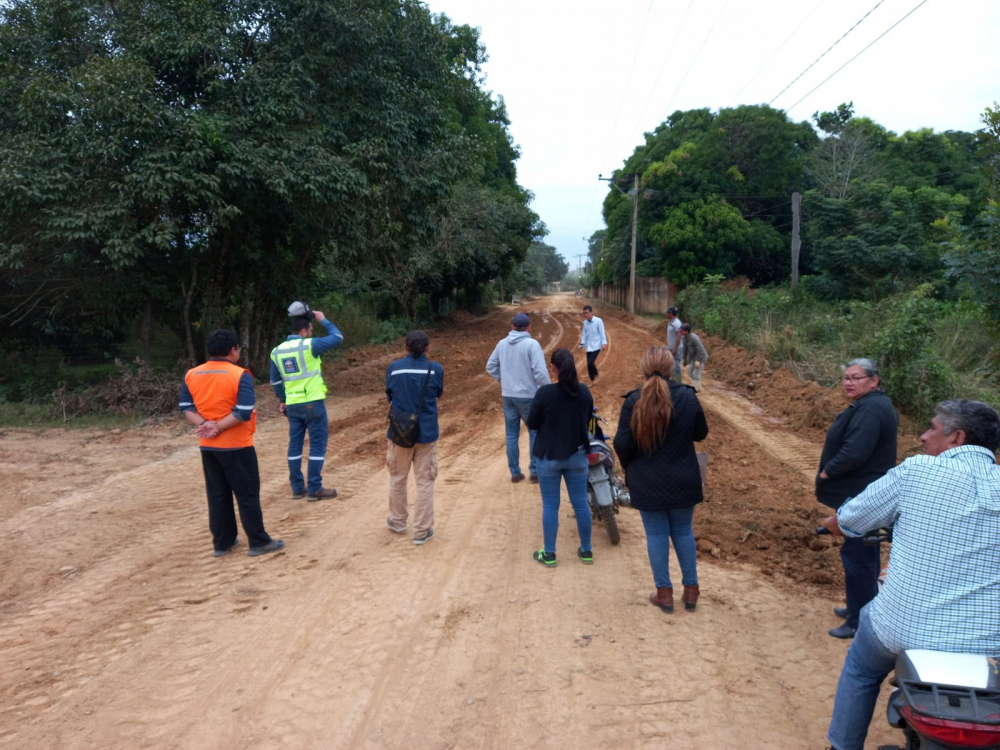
<point>942,591</point>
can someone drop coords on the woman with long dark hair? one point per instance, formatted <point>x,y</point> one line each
<point>658,426</point>
<point>560,412</point>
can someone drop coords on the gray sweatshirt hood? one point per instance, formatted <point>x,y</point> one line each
<point>515,337</point>
<point>518,364</point>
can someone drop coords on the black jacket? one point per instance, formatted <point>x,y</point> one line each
<point>860,447</point>
<point>561,421</point>
<point>669,478</point>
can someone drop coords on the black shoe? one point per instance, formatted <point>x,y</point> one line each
<point>298,494</point>
<point>844,631</point>
<point>841,612</point>
<point>547,559</point>
<point>515,478</point>
<point>227,550</point>
<point>272,546</point>
<point>321,495</point>
<point>586,556</point>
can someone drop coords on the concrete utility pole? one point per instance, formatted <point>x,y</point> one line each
<point>635,227</point>
<point>579,263</point>
<point>796,242</point>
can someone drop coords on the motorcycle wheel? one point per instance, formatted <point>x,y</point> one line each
<point>611,523</point>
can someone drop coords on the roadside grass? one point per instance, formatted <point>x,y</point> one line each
<point>47,416</point>
<point>928,350</point>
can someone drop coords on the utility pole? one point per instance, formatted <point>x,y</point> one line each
<point>635,227</point>
<point>579,263</point>
<point>796,242</point>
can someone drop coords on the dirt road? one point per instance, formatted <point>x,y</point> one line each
<point>118,629</point>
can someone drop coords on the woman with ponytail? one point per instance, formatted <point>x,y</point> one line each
<point>658,426</point>
<point>560,412</point>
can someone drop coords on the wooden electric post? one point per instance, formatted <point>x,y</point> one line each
<point>635,226</point>
<point>796,242</point>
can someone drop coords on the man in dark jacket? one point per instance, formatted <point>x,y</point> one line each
<point>860,447</point>
<point>414,384</point>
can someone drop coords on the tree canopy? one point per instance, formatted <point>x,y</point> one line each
<point>204,163</point>
<point>882,212</point>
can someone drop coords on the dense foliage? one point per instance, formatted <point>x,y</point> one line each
<point>900,243</point>
<point>882,213</point>
<point>196,163</point>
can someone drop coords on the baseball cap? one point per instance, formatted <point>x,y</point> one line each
<point>672,310</point>
<point>301,310</point>
<point>521,320</point>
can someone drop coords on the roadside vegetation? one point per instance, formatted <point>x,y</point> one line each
<point>900,243</point>
<point>170,168</point>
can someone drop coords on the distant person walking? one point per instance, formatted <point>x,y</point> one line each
<point>695,355</point>
<point>593,340</point>
<point>406,380</point>
<point>560,412</point>
<point>674,341</point>
<point>657,429</point>
<point>860,447</point>
<point>297,380</point>
<point>518,364</point>
<point>218,398</point>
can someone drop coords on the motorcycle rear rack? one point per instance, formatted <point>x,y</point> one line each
<point>953,702</point>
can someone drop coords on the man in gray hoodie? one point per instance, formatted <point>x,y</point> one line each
<point>518,364</point>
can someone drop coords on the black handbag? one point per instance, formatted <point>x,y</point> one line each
<point>404,426</point>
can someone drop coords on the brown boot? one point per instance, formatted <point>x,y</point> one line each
<point>690,597</point>
<point>663,598</point>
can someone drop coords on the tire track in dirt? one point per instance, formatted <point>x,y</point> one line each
<point>786,447</point>
<point>354,637</point>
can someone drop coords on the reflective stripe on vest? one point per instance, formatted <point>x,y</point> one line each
<point>214,388</point>
<point>301,371</point>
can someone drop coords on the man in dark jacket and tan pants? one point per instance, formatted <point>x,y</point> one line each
<point>860,447</point>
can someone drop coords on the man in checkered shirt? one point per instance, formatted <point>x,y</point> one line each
<point>942,591</point>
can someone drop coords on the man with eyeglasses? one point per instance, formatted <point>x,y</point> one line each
<point>860,448</point>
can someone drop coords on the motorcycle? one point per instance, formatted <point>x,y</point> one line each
<point>606,491</point>
<point>942,701</point>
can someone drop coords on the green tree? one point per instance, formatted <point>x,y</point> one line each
<point>201,162</point>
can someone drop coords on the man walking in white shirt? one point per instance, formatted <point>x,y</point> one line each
<point>593,339</point>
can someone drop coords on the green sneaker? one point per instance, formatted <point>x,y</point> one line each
<point>586,556</point>
<point>545,558</point>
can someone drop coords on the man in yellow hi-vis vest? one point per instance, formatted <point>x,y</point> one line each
<point>297,379</point>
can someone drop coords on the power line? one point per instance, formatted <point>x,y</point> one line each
<point>663,67</point>
<point>780,46</point>
<point>621,104</point>
<point>828,49</point>
<point>697,55</point>
<point>857,55</point>
<point>631,70</point>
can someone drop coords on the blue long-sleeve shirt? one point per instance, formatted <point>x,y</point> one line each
<point>404,381</point>
<point>317,346</point>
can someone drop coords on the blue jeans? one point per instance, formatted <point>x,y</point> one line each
<point>862,564</point>
<point>515,410</point>
<point>662,526</point>
<point>574,469</point>
<point>867,665</point>
<point>309,417</point>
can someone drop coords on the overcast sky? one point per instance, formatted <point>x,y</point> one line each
<point>584,79</point>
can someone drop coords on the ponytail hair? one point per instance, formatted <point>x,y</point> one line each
<point>651,413</point>
<point>417,342</point>
<point>565,366</point>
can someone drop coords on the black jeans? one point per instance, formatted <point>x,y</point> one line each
<point>862,564</point>
<point>229,473</point>
<point>591,366</point>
